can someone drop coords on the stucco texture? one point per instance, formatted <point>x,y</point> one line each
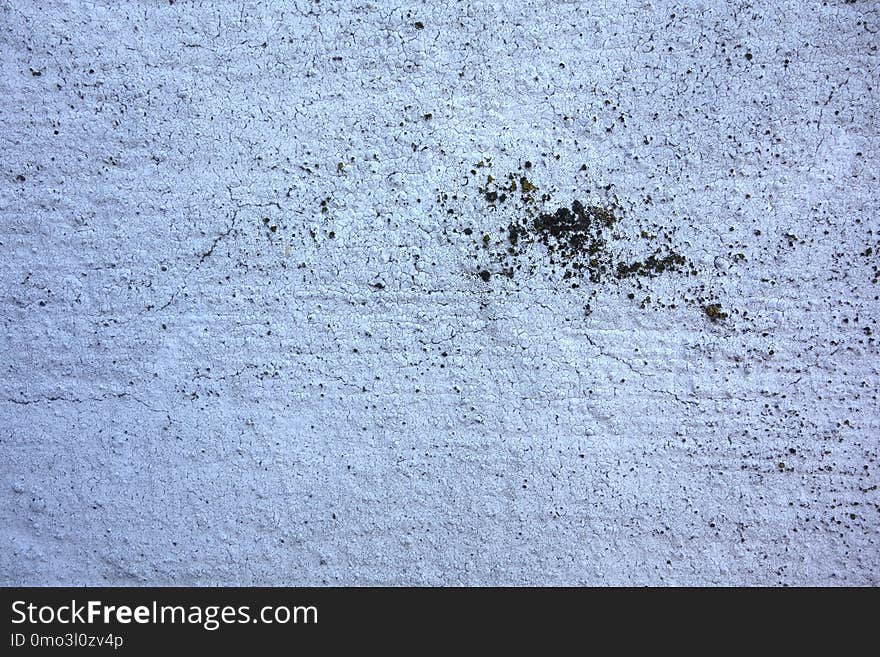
<point>454,293</point>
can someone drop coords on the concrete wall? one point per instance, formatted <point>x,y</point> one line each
<point>246,336</point>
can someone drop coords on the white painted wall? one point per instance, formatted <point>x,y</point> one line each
<point>189,398</point>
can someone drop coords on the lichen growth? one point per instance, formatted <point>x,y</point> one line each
<point>714,312</point>
<point>588,244</point>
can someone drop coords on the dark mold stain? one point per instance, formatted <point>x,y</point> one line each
<point>578,244</point>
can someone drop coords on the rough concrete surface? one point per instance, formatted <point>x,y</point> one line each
<point>267,319</point>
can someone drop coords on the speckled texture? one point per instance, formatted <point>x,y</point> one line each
<point>246,340</point>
